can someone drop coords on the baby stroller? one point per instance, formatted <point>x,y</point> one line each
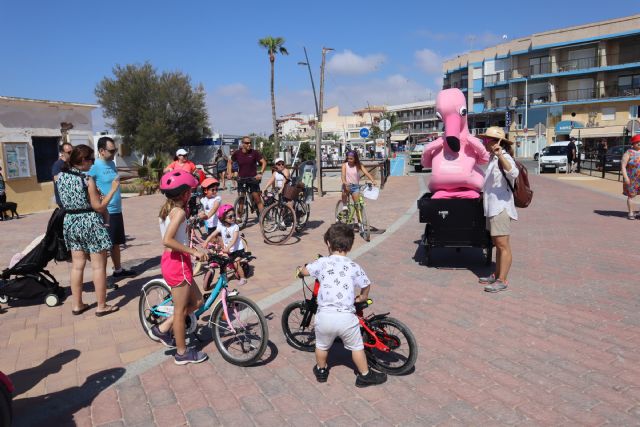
<point>27,279</point>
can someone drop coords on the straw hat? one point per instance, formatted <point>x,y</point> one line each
<point>497,133</point>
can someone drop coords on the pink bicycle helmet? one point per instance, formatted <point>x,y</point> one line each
<point>222,211</point>
<point>175,182</point>
<point>209,182</point>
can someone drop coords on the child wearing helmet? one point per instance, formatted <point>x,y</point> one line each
<point>229,232</point>
<point>210,204</point>
<point>176,265</point>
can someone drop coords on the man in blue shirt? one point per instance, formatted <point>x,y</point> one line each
<point>104,172</point>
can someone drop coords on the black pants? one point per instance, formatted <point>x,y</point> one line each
<point>3,198</point>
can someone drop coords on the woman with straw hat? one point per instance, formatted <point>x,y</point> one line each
<point>499,207</point>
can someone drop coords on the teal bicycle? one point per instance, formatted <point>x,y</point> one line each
<point>237,324</point>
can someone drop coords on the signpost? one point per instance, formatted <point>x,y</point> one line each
<point>539,129</point>
<point>364,133</point>
<point>384,126</point>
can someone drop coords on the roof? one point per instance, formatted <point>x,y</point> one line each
<point>45,101</point>
<point>411,105</point>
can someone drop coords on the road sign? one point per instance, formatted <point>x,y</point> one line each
<point>384,125</point>
<point>364,133</point>
<point>526,130</point>
<point>540,128</point>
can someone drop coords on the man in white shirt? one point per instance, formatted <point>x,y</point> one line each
<point>499,206</point>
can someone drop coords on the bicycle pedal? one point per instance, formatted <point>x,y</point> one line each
<point>233,293</point>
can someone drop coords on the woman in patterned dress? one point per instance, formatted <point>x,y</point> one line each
<point>84,229</point>
<point>630,167</point>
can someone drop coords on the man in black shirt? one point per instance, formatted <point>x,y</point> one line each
<point>571,155</point>
<point>65,151</point>
<point>248,160</point>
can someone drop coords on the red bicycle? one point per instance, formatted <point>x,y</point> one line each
<point>388,343</point>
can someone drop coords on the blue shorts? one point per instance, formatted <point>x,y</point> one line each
<point>354,188</point>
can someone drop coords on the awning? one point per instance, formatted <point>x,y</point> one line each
<point>399,137</point>
<point>599,132</point>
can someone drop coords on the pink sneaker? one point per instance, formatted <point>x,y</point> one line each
<point>242,282</point>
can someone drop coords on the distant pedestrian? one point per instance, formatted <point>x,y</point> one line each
<point>571,155</point>
<point>183,163</point>
<point>630,167</point>
<point>104,172</point>
<point>499,206</point>
<point>3,194</point>
<point>63,157</point>
<point>221,167</point>
<point>602,153</point>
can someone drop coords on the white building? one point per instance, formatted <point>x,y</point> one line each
<point>419,119</point>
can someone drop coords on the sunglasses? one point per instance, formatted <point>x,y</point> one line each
<point>112,151</point>
<point>231,216</point>
<point>182,155</point>
<point>280,164</point>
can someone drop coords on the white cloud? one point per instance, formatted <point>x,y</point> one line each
<point>348,62</point>
<point>233,89</point>
<point>428,61</point>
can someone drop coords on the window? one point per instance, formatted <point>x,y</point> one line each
<point>45,152</point>
<point>17,160</point>
<point>580,89</point>
<point>539,65</point>
<point>608,113</point>
<point>477,73</point>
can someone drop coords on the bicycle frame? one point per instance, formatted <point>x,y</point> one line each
<point>312,307</point>
<point>354,208</point>
<point>166,311</point>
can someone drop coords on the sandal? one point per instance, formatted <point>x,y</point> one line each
<point>110,309</point>
<point>630,216</point>
<point>79,311</point>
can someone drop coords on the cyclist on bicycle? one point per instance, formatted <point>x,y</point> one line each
<point>248,160</point>
<point>279,178</point>
<point>176,266</point>
<point>351,169</point>
<point>339,276</point>
<point>229,232</point>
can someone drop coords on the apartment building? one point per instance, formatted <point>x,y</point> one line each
<point>581,81</point>
<point>419,120</point>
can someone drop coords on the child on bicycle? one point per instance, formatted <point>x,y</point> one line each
<point>339,276</point>
<point>351,169</point>
<point>229,232</point>
<point>176,266</point>
<point>210,204</point>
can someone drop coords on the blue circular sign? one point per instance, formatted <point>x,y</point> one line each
<point>364,132</point>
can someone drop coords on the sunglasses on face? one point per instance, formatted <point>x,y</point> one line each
<point>230,216</point>
<point>280,164</point>
<point>112,151</point>
<point>182,155</point>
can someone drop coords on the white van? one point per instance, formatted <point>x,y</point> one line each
<point>554,157</point>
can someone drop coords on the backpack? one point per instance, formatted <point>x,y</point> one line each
<point>522,193</point>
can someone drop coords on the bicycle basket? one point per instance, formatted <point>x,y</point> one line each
<point>291,192</point>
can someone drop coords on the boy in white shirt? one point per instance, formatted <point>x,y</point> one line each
<point>210,204</point>
<point>339,277</point>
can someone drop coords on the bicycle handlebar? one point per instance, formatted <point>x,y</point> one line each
<point>363,304</point>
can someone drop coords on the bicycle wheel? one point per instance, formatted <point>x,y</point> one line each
<point>241,218</point>
<point>303,211</point>
<point>294,316</point>
<point>365,229</point>
<point>277,223</point>
<point>153,294</point>
<point>247,344</point>
<point>341,214</point>
<point>402,344</point>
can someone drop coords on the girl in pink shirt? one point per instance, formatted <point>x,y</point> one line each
<point>351,170</point>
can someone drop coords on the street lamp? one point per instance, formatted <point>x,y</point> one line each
<point>318,130</point>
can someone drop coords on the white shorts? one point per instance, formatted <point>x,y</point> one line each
<point>330,325</point>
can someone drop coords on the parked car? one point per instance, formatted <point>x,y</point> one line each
<point>556,156</point>
<point>415,157</point>
<point>544,151</point>
<point>613,157</point>
<point>6,397</point>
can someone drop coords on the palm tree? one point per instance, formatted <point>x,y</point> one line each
<point>274,46</point>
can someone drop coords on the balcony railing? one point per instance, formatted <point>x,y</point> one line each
<point>492,79</point>
<point>630,54</point>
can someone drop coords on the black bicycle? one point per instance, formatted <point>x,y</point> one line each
<point>244,202</point>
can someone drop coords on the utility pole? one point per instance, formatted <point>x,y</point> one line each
<point>319,124</point>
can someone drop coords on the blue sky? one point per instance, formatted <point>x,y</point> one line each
<point>385,52</point>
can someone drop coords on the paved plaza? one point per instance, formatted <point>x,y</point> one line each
<point>560,347</point>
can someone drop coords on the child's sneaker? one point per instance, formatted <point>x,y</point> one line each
<point>190,356</point>
<point>165,338</point>
<point>487,280</point>
<point>242,282</point>
<point>321,374</point>
<point>372,378</point>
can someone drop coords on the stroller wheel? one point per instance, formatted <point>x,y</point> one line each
<point>51,300</point>
<point>4,299</point>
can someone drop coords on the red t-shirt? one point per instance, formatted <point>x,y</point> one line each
<point>247,162</point>
<point>188,166</point>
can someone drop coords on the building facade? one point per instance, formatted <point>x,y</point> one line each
<point>581,81</point>
<point>30,133</point>
<point>419,120</point>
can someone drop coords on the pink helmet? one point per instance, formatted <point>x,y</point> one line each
<point>222,211</point>
<point>175,182</point>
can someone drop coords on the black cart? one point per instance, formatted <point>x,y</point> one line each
<point>453,223</point>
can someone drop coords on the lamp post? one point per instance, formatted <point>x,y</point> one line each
<point>318,129</point>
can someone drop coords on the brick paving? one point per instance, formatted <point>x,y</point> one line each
<point>560,347</point>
